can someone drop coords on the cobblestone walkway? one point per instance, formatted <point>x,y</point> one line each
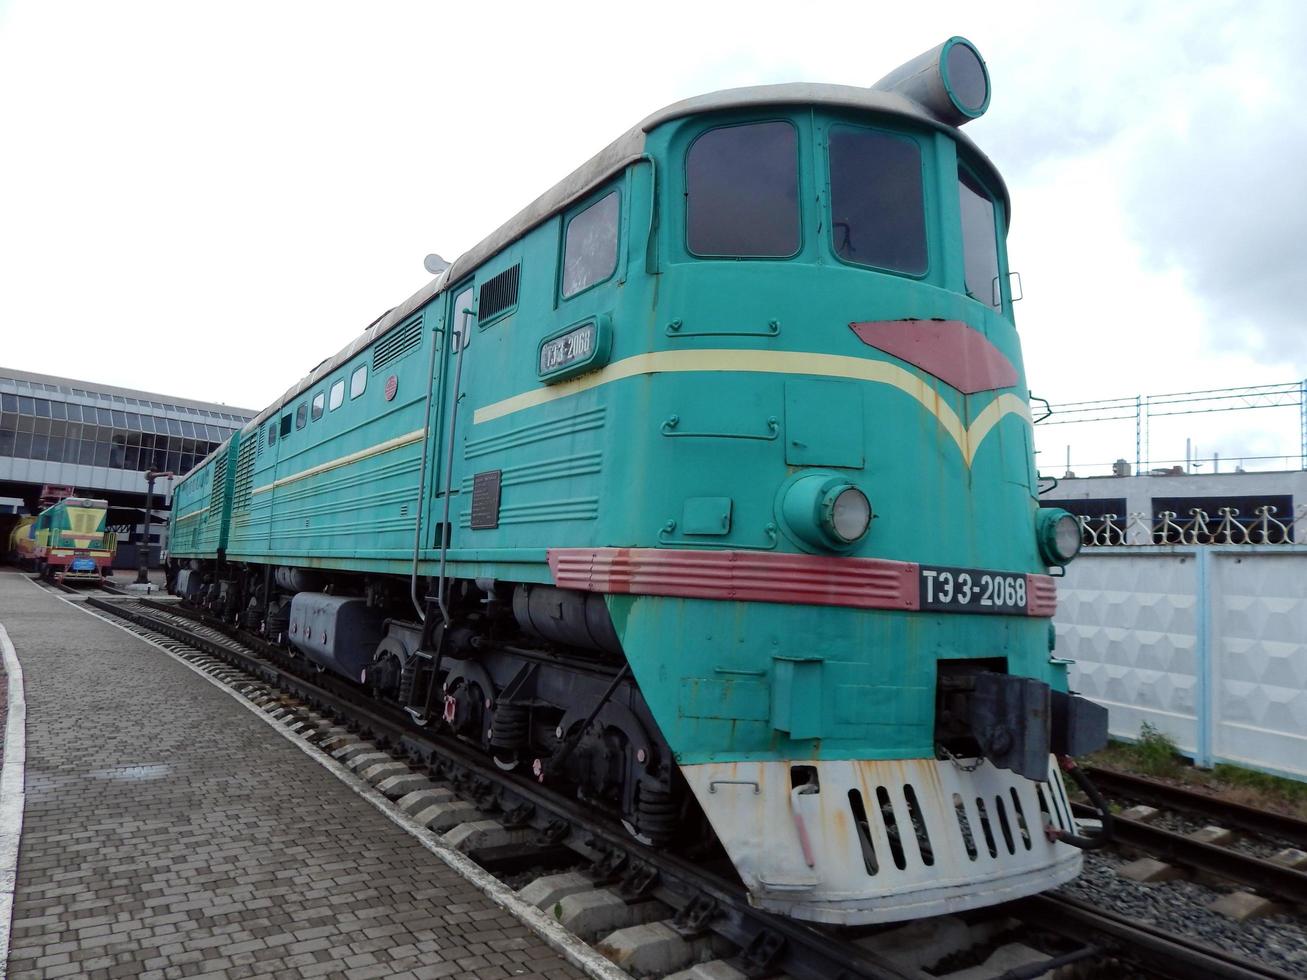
<point>171,833</point>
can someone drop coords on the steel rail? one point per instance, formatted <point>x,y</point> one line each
<point>711,903</point>
<point>1267,877</point>
<point>1237,816</point>
<point>1168,954</point>
<point>790,946</point>
<point>65,587</point>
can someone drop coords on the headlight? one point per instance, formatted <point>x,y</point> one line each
<point>849,514</point>
<point>1059,535</point>
<point>826,511</point>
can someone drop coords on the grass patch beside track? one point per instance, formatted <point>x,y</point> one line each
<point>1154,754</point>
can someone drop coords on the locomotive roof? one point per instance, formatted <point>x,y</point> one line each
<point>616,156</point>
<point>79,502</point>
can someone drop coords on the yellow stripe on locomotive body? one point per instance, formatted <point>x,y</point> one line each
<point>740,401</point>
<point>797,363</point>
<point>346,460</point>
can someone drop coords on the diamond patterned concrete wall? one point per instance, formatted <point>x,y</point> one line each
<point>1129,618</point>
<point>1259,657</point>
<point>1129,621</point>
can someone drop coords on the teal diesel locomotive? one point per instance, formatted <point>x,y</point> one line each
<point>704,489</point>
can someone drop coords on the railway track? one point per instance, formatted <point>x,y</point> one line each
<point>1210,851</point>
<point>72,590</point>
<point>1236,816</point>
<point>650,912</point>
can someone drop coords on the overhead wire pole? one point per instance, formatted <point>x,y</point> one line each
<point>1139,432</point>
<point>1148,450</point>
<point>1143,408</point>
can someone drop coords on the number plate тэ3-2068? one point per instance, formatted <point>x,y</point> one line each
<point>972,590</point>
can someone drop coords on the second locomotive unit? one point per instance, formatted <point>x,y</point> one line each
<point>704,489</point>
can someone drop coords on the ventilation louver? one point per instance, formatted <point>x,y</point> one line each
<point>498,293</point>
<point>398,342</point>
<point>218,493</point>
<point>244,475</point>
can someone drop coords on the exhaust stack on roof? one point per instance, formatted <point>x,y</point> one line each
<point>949,81</point>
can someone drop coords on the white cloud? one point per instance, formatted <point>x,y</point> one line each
<point>209,199</point>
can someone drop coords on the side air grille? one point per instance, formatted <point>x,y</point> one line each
<point>244,475</point>
<point>218,494</point>
<point>498,293</point>
<point>397,342</point>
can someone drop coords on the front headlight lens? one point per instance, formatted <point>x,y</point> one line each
<point>1059,535</point>
<point>850,514</point>
<point>824,510</point>
<point>1066,537</point>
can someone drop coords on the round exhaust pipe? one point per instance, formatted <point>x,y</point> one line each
<point>950,81</point>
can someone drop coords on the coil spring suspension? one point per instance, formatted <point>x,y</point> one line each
<point>510,727</point>
<point>658,813</point>
<point>407,679</point>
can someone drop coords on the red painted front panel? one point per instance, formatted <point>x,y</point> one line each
<point>948,349</point>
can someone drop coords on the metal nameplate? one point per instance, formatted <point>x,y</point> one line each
<point>972,590</point>
<point>485,500</point>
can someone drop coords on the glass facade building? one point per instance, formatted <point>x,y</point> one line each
<point>77,424</point>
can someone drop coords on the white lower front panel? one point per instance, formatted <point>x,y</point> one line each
<point>884,841</point>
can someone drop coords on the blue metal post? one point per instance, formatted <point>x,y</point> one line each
<point>1203,667</point>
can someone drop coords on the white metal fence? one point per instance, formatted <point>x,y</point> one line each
<point>1226,526</point>
<point>1206,642</point>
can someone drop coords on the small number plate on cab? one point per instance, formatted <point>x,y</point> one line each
<point>566,350</point>
<point>972,590</point>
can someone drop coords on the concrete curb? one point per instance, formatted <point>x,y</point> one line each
<point>12,790</point>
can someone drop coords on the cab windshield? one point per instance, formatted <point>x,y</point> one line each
<point>878,214</point>
<point>742,192</point>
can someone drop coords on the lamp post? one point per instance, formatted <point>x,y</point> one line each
<point>143,552</point>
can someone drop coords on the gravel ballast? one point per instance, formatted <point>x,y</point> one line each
<point>1182,906</point>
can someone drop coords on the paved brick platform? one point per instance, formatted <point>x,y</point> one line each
<point>169,832</point>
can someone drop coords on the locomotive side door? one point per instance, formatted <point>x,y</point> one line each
<point>447,418</point>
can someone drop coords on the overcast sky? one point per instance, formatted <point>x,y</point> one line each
<point>207,199</point>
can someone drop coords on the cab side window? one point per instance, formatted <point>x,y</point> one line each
<point>590,245</point>
<point>979,241</point>
<point>742,192</point>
